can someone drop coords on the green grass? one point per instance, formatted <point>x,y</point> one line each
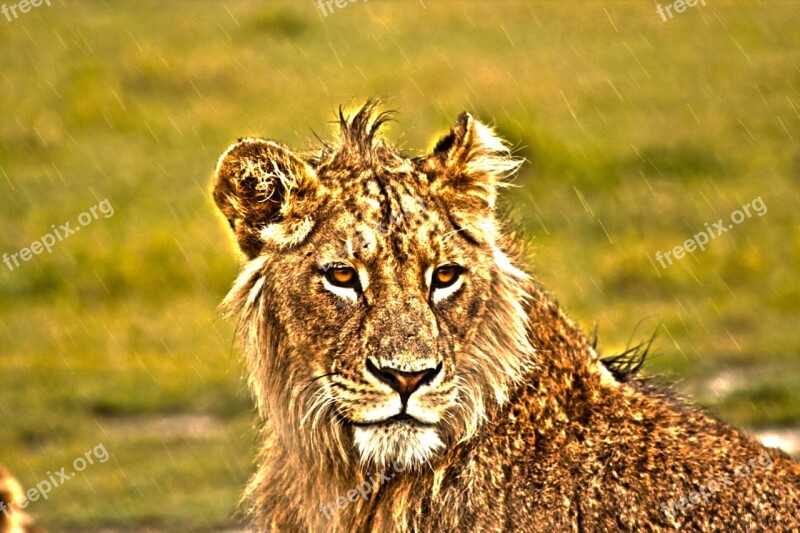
<point>637,132</point>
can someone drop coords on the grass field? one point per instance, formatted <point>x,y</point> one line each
<point>638,132</point>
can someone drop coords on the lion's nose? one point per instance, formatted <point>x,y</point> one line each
<point>405,383</point>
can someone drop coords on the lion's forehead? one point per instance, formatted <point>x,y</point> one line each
<point>386,219</point>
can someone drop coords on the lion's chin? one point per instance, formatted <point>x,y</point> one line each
<point>399,444</point>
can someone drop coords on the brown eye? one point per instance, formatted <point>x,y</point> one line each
<point>445,276</point>
<point>342,277</point>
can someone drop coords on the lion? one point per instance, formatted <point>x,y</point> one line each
<point>410,375</point>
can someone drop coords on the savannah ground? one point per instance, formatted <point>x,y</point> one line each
<point>637,132</point>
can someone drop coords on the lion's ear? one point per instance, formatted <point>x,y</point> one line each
<point>260,184</point>
<point>466,168</point>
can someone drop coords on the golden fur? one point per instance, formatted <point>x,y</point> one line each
<point>514,423</point>
<point>12,520</point>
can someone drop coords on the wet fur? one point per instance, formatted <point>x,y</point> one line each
<point>537,432</point>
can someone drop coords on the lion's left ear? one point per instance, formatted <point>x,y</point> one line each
<point>466,168</point>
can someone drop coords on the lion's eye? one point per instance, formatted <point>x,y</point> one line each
<point>445,276</point>
<point>342,277</point>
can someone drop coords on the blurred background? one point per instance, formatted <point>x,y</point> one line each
<point>639,129</point>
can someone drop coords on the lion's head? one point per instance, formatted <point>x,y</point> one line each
<point>381,314</point>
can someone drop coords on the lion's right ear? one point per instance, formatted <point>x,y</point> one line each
<point>264,190</point>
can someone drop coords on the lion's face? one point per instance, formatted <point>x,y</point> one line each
<point>394,292</point>
<point>384,294</point>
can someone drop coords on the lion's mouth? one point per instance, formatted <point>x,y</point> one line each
<point>398,419</point>
<point>400,437</point>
